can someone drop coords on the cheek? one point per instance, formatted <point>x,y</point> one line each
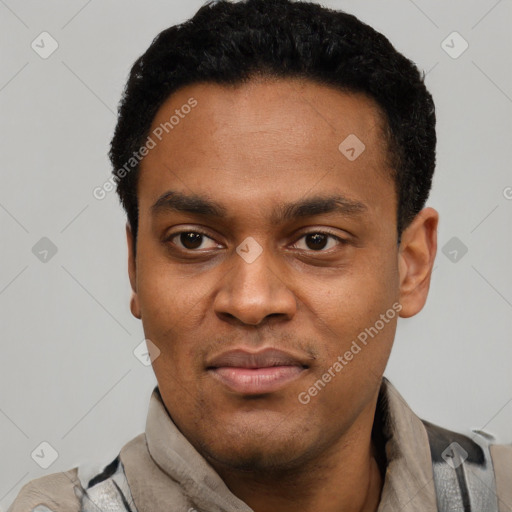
<point>172,308</point>
<point>164,296</point>
<point>352,304</point>
<point>361,290</point>
<point>356,339</point>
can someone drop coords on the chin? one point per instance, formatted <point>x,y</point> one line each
<point>266,451</point>
<point>252,459</point>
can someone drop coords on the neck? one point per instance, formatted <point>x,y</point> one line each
<point>345,477</point>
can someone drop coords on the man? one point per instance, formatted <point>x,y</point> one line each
<point>274,160</point>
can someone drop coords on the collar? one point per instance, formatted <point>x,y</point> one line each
<point>163,468</point>
<point>409,478</point>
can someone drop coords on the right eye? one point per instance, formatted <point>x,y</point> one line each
<point>190,240</point>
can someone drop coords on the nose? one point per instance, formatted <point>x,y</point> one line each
<point>253,291</point>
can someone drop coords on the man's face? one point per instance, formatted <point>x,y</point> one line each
<point>255,278</point>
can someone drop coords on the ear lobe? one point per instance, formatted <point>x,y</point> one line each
<point>132,273</point>
<point>134,306</point>
<point>416,257</point>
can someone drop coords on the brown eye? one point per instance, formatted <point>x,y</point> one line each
<point>318,241</point>
<point>191,240</point>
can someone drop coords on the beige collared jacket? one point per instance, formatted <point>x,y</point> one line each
<point>427,469</point>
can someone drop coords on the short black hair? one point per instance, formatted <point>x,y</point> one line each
<point>231,42</point>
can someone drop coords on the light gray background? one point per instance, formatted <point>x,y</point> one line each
<point>68,375</point>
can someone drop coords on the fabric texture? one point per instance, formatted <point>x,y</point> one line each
<point>160,469</point>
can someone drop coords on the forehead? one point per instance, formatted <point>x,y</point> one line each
<point>268,140</point>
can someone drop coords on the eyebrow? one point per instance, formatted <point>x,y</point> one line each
<point>318,205</point>
<point>174,201</point>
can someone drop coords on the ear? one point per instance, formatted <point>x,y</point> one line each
<point>416,257</point>
<point>132,273</point>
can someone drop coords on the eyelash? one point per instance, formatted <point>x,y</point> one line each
<point>340,241</point>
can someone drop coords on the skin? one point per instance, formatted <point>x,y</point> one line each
<point>251,148</point>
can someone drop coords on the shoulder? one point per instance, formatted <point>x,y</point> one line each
<point>475,446</point>
<point>501,455</point>
<point>58,492</point>
<point>474,464</point>
<point>107,489</point>
<point>70,492</point>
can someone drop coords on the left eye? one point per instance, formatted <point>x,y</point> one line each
<point>319,241</point>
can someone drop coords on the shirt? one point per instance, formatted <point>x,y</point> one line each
<point>160,471</point>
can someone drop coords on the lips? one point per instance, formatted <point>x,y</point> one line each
<point>252,373</point>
